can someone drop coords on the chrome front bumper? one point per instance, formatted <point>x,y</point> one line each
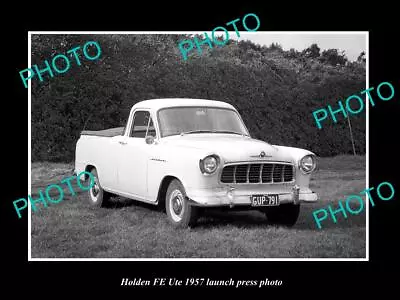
<point>231,196</point>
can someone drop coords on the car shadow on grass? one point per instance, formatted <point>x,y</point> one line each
<point>245,219</point>
<point>118,202</point>
<point>207,219</point>
<point>255,219</point>
<point>240,219</point>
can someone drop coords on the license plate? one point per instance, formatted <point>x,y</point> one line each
<point>264,200</point>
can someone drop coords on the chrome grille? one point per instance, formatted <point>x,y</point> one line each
<point>258,173</point>
<point>254,173</point>
<point>277,173</point>
<point>241,174</point>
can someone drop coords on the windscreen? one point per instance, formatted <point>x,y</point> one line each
<point>177,120</point>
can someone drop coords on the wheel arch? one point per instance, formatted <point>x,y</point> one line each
<point>88,169</point>
<point>162,191</point>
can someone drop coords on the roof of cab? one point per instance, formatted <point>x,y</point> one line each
<point>176,102</point>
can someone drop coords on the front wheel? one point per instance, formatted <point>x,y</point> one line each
<point>284,214</point>
<point>96,195</point>
<point>180,213</point>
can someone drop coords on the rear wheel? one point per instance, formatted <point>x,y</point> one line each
<point>180,213</point>
<point>284,214</point>
<point>96,195</point>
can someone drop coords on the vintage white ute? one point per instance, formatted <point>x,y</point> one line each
<point>189,154</point>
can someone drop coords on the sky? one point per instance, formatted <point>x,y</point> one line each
<point>352,43</point>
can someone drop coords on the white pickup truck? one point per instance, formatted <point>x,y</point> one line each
<point>188,154</point>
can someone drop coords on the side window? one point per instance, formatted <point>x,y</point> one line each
<point>142,125</point>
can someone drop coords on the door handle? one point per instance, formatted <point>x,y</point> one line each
<point>122,142</point>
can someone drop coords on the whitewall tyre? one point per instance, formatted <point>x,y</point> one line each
<point>180,213</point>
<point>96,195</point>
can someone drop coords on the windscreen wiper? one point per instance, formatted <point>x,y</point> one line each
<point>197,131</point>
<point>227,131</point>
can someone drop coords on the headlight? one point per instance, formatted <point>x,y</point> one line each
<point>307,164</point>
<point>209,164</point>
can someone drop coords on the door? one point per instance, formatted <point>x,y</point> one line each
<point>134,155</point>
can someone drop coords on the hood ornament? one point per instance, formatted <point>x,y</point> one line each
<point>261,155</point>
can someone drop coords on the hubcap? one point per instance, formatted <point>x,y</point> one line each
<point>176,205</point>
<point>95,190</point>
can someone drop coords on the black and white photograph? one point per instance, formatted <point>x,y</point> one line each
<point>187,149</point>
<point>243,145</point>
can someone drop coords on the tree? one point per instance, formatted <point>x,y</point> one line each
<point>276,46</point>
<point>312,52</point>
<point>292,53</point>
<point>361,58</point>
<point>333,57</point>
<point>272,91</point>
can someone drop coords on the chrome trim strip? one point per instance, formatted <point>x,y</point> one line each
<point>229,163</point>
<point>272,174</point>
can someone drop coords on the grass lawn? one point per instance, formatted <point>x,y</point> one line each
<point>130,229</point>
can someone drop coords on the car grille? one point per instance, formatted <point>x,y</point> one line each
<point>258,173</point>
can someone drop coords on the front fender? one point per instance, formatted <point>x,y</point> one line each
<point>184,165</point>
<point>303,180</point>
